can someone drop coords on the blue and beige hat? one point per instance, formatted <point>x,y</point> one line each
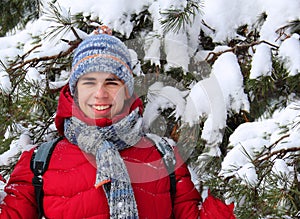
<point>102,53</point>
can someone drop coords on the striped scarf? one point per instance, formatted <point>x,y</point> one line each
<point>105,143</point>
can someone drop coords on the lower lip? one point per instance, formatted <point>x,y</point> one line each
<point>102,113</point>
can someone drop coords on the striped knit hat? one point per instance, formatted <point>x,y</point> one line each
<point>102,53</point>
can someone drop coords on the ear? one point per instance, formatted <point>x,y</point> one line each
<point>75,96</point>
<point>128,96</point>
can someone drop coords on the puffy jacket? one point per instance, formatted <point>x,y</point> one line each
<point>69,190</point>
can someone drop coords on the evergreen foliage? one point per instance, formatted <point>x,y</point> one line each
<point>177,19</point>
<point>33,107</point>
<point>17,13</point>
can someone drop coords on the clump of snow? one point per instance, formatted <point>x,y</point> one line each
<point>289,51</point>
<point>278,15</point>
<point>229,75</point>
<point>248,174</point>
<point>160,98</point>
<point>176,48</point>
<point>225,17</point>
<point>284,172</point>
<point>5,84</point>
<point>152,42</point>
<point>211,99</point>
<point>33,76</point>
<point>251,139</point>
<point>206,102</point>
<point>261,62</point>
<point>17,146</point>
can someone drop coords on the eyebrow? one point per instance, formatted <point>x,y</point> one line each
<point>112,79</point>
<point>86,78</point>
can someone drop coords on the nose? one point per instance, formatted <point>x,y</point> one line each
<point>101,92</point>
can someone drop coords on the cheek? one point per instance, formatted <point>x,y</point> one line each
<point>82,97</point>
<point>119,99</point>
<point>120,95</point>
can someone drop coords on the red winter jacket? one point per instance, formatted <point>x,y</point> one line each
<point>69,190</point>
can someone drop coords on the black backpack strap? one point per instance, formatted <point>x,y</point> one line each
<point>39,164</point>
<point>168,156</point>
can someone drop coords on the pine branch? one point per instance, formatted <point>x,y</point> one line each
<point>294,27</point>
<point>73,44</point>
<point>236,49</point>
<point>281,152</point>
<point>268,155</point>
<point>206,25</point>
<point>177,19</point>
<point>76,35</point>
<point>63,20</point>
<point>27,53</point>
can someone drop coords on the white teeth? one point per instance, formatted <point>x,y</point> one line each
<point>101,107</point>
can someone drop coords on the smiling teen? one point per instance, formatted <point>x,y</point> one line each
<point>105,167</point>
<point>100,95</point>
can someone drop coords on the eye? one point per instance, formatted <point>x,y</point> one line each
<point>113,82</point>
<point>88,83</point>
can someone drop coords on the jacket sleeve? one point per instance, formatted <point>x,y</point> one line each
<point>187,198</point>
<point>19,201</point>
<point>213,207</point>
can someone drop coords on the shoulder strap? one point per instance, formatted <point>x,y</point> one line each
<point>39,164</point>
<point>168,156</point>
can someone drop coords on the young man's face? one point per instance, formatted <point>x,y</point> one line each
<point>100,95</point>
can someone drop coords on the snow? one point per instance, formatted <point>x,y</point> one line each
<point>176,48</point>
<point>291,56</point>
<point>261,63</point>
<point>214,97</point>
<point>279,13</point>
<point>211,99</point>
<point>162,97</point>
<point>5,84</point>
<point>280,168</point>
<point>17,146</point>
<point>33,76</point>
<point>225,17</point>
<point>248,174</point>
<point>251,138</point>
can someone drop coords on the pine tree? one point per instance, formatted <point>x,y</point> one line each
<point>28,103</point>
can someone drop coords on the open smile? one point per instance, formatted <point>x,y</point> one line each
<point>101,107</point>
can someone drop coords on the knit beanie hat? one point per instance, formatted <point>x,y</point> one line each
<point>102,53</point>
